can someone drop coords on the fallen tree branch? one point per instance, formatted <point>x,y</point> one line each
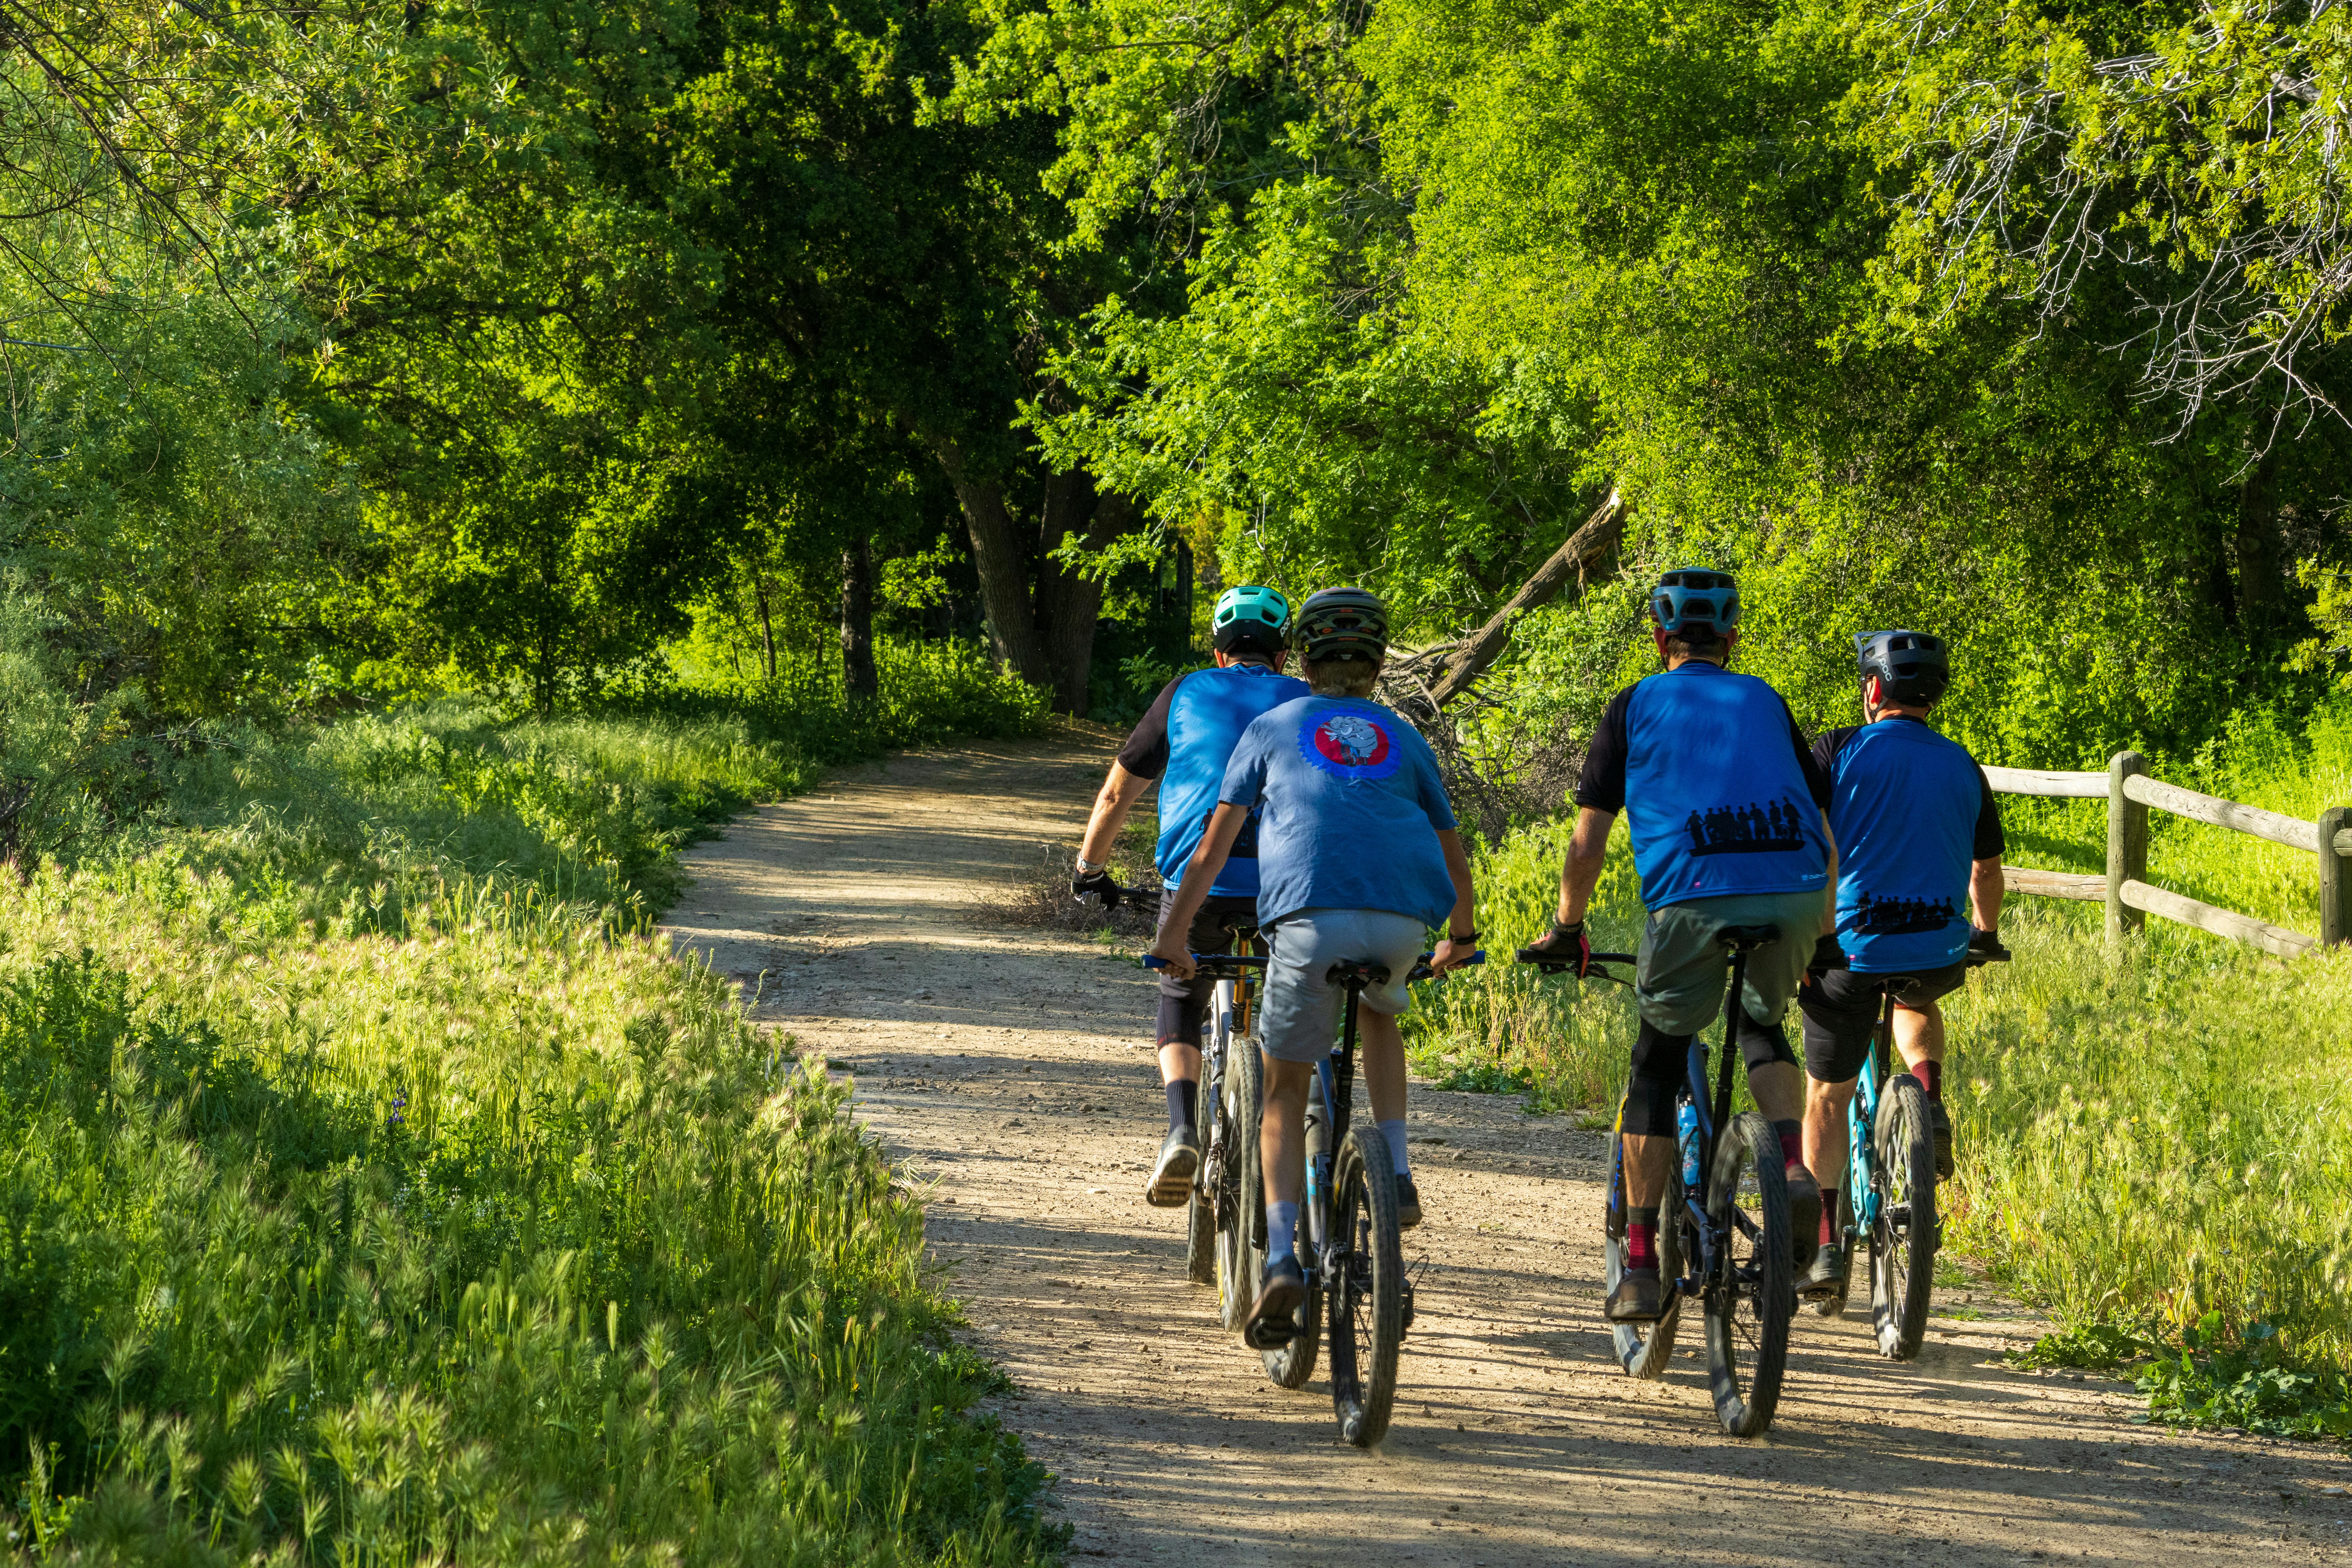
<point>1585,547</point>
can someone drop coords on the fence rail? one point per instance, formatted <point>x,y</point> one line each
<point>2130,794</point>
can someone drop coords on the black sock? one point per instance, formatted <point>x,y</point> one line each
<point>1931,1078</point>
<point>1184,1103</point>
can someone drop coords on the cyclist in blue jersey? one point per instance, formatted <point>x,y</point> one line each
<point>1183,740</point>
<point>1724,802</point>
<point>1920,830</point>
<point>1358,858</point>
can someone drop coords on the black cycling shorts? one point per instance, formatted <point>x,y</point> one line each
<point>1182,1003</point>
<point>1841,1008</point>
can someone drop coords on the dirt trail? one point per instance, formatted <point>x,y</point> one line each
<point>1013,1070</point>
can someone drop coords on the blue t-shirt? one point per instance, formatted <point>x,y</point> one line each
<point>1351,804</point>
<point>1719,793</point>
<point>1184,740</point>
<point>1911,809</point>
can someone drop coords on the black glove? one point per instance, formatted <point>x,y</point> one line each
<point>1565,944</point>
<point>1089,886</point>
<point>1987,943</point>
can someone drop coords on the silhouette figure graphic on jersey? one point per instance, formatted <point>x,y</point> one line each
<point>1748,829</point>
<point>1894,917</point>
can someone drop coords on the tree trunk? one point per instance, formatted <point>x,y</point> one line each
<point>2261,574</point>
<point>857,674</point>
<point>1069,602</point>
<point>767,627</point>
<point>1004,571</point>
<point>1590,547</point>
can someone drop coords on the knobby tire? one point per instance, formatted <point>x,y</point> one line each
<point>1903,1243</point>
<point>1644,1350</point>
<point>1365,1290</point>
<point>1241,1201</point>
<point>1747,1313</point>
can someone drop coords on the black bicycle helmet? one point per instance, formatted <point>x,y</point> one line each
<point>1913,668</point>
<point>1341,624</point>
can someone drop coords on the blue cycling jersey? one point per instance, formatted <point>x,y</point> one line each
<point>1911,809</point>
<point>1719,793</point>
<point>1185,740</point>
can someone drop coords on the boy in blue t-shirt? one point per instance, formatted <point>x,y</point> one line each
<point>1358,857</point>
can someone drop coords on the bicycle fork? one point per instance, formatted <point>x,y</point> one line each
<point>1713,1253</point>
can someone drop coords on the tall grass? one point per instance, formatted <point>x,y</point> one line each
<point>2152,1137</point>
<point>374,1188</point>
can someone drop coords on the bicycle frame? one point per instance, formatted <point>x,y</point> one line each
<point>1861,1115</point>
<point>1714,1110</point>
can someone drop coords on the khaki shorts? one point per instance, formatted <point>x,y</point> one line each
<point>1680,972</point>
<point>1299,1011</point>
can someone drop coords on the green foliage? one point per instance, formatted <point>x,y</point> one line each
<point>2090,1344</point>
<point>2240,1382</point>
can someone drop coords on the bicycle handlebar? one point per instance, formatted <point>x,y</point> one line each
<point>1205,962</point>
<point>1550,965</point>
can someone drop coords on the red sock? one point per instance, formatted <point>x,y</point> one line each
<point>1931,1078</point>
<point>1793,1143</point>
<point>1641,1245</point>
<point>1829,1217</point>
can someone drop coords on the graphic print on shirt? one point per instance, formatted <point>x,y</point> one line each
<point>1745,829</point>
<point>1891,916</point>
<point>1351,745</point>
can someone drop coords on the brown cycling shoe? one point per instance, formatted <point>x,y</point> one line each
<point>1171,1178</point>
<point>1804,1212</point>
<point>1638,1297</point>
<point>1827,1276</point>
<point>1272,1317</point>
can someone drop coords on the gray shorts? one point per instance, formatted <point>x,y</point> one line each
<point>1679,974</point>
<point>1299,1010</point>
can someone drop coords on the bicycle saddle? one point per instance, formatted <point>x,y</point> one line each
<point>1362,970</point>
<point>1746,938</point>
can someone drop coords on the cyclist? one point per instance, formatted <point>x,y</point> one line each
<point>1724,803</point>
<point>1358,858</point>
<point>1917,822</point>
<point>1184,740</point>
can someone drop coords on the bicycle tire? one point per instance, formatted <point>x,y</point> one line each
<point>1241,1201</point>
<point>1292,1364</point>
<point>1365,1295</point>
<point>1833,1305</point>
<point>1746,1364</point>
<point>1201,1206</point>
<point>1903,1243</point>
<point>1644,1350</point>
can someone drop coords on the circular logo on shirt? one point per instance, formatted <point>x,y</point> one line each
<point>1350,745</point>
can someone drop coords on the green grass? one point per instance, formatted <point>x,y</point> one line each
<point>2152,1141</point>
<point>374,1187</point>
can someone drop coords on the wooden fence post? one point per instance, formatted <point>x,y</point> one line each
<point>2335,886</point>
<point>2127,844</point>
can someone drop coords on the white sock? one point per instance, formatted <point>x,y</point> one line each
<point>1281,1231</point>
<point>1394,1133</point>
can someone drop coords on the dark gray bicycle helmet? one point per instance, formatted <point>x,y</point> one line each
<point>1913,668</point>
<point>1341,624</point>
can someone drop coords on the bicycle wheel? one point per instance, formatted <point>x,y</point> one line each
<point>1365,1290</point>
<point>1754,1293</point>
<point>1833,1305</point>
<point>1292,1364</point>
<point>1902,1242</point>
<point>1644,1350</point>
<point>1200,1210</point>
<point>1241,1199</point>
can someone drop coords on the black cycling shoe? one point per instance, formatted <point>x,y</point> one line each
<point>1408,1203</point>
<point>1638,1297</point>
<point>1804,1212</point>
<point>1273,1316</point>
<point>1827,1276</point>
<point>1940,1123</point>
<point>1171,1178</point>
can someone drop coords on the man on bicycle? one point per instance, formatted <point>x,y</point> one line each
<point>1358,858</point>
<point>1919,825</point>
<point>1184,740</point>
<point>1724,802</point>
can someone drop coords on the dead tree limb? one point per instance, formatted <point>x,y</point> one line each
<point>1573,561</point>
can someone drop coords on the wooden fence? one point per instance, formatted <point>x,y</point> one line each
<point>2129,794</point>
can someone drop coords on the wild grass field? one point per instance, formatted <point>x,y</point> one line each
<point>2151,1141</point>
<point>374,1187</point>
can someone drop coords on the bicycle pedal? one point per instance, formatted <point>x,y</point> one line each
<point>1269,1336</point>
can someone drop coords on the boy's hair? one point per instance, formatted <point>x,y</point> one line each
<point>1691,641</point>
<point>1347,676</point>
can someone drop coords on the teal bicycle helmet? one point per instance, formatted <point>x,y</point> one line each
<point>1251,617</point>
<point>1694,597</point>
<point>1343,624</point>
<point>1913,668</point>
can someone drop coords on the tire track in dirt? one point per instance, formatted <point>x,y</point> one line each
<point>1012,1069</point>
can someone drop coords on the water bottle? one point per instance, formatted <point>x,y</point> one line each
<point>1686,1134</point>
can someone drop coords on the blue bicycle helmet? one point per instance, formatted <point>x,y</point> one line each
<point>1694,597</point>
<point>1251,615</point>
<point>1913,668</point>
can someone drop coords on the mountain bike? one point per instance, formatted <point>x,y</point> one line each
<point>1213,1254</point>
<point>1891,1164</point>
<point>1350,1245</point>
<point>1729,1203</point>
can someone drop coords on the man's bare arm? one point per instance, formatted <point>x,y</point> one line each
<point>1986,885</point>
<point>1588,851</point>
<point>1120,790</point>
<point>1200,876</point>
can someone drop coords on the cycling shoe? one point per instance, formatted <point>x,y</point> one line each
<point>1172,1177</point>
<point>1273,1316</point>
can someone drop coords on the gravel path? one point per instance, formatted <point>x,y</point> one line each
<point>1011,1070</point>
